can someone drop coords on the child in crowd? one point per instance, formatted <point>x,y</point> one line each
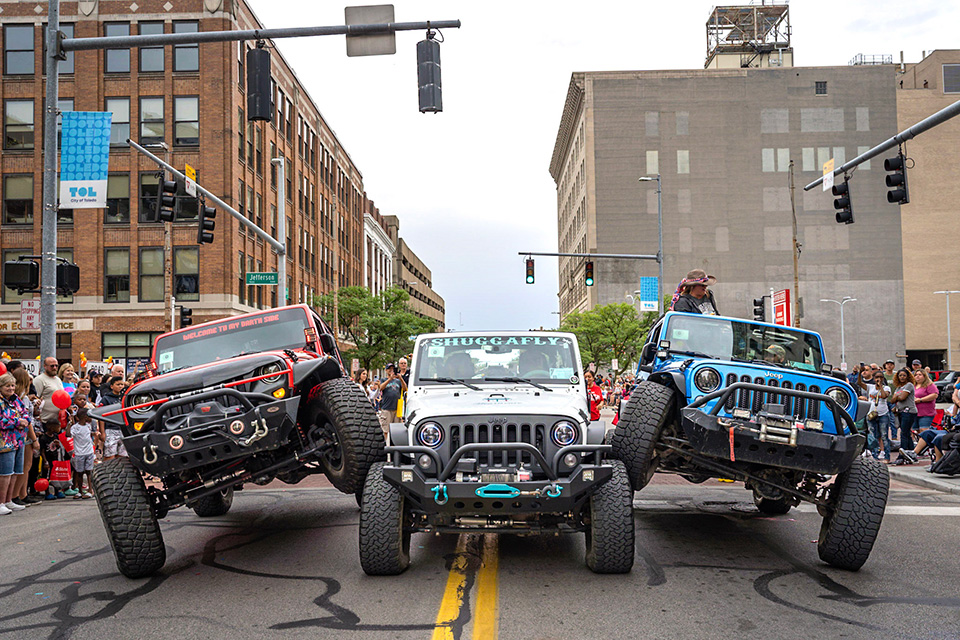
<point>84,434</point>
<point>51,449</point>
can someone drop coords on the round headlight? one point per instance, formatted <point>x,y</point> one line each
<point>841,397</point>
<point>430,435</point>
<point>266,370</point>
<point>563,434</point>
<point>707,380</point>
<point>141,398</point>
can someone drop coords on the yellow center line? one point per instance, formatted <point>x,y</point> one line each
<point>453,594</point>
<point>485,616</point>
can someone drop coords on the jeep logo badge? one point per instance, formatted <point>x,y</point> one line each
<point>236,427</point>
<point>770,374</point>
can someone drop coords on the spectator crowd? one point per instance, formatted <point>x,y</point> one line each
<point>49,444</point>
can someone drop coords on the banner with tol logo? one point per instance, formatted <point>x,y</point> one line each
<point>648,294</point>
<point>84,155</point>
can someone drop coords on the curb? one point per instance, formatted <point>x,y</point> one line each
<point>928,482</point>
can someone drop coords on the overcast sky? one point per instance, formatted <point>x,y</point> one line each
<point>471,185</point>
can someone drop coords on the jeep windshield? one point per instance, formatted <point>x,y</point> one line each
<point>732,340</point>
<point>269,331</point>
<point>537,359</point>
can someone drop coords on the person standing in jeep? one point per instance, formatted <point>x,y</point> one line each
<point>692,295</point>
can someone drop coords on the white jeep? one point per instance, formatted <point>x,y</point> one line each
<point>496,437</point>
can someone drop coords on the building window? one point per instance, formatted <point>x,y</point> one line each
<point>951,78</point>
<point>66,66</point>
<point>151,120</point>
<point>63,105</point>
<point>250,203</point>
<point>280,102</point>
<point>118,199</point>
<point>116,60</point>
<point>151,275</point>
<point>259,150</point>
<point>18,199</point>
<point>683,161</point>
<point>117,282</point>
<point>258,210</point>
<point>151,58</point>
<point>250,144</point>
<point>241,55</point>
<point>127,345</point>
<point>653,163</point>
<point>186,274</point>
<point>186,57</point>
<point>148,197</point>
<point>865,165</point>
<point>186,121</point>
<point>120,123</point>
<point>241,200</point>
<point>766,160</point>
<point>18,50</point>
<point>240,130</point>
<point>9,295</point>
<point>273,220</point>
<point>18,124</point>
<point>186,205</point>
<point>820,88</point>
<point>273,167</point>
<point>289,114</point>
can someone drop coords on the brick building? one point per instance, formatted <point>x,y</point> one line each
<point>190,98</point>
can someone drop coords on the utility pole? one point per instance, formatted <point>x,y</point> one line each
<point>843,343</point>
<point>796,253</point>
<point>659,235</point>
<point>949,339</point>
<point>48,242</point>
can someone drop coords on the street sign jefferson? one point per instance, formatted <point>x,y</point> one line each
<point>262,278</point>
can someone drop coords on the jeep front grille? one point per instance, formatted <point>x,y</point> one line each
<point>753,401</point>
<point>483,432</point>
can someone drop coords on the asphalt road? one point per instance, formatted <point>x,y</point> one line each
<point>283,564</point>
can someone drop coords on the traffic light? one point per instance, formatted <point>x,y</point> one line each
<point>166,199</point>
<point>530,271</point>
<point>760,309</point>
<point>186,317</point>
<point>428,74</point>
<point>21,275</point>
<point>897,166</point>
<point>259,90</point>
<point>588,273</point>
<point>205,223</point>
<point>842,204</point>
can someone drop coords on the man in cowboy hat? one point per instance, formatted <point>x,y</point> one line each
<point>693,295</point>
<point>775,354</point>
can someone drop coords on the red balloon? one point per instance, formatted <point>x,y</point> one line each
<point>3,368</point>
<point>41,485</point>
<point>61,399</point>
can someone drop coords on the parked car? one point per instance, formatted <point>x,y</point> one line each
<point>945,385</point>
<point>755,402</point>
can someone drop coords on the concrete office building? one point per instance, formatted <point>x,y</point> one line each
<point>723,140</point>
<point>410,273</point>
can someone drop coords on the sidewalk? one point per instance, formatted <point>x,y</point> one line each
<point>916,474</point>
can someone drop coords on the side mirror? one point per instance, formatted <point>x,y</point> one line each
<point>647,353</point>
<point>328,343</point>
<point>826,369</point>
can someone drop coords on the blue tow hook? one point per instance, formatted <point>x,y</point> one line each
<point>440,494</point>
<point>498,491</point>
<point>553,491</point>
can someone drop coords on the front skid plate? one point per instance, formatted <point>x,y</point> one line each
<point>462,498</point>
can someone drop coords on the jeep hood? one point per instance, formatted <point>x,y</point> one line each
<point>493,400</point>
<point>205,375</point>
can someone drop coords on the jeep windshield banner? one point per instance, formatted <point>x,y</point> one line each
<point>270,331</point>
<point>484,358</point>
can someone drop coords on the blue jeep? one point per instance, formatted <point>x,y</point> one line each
<point>755,402</point>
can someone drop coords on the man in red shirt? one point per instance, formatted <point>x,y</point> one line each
<point>594,395</point>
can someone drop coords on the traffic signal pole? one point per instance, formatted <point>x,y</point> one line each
<point>57,46</point>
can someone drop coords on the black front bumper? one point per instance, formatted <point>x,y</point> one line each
<point>219,434</point>
<point>738,441</point>
<point>432,491</point>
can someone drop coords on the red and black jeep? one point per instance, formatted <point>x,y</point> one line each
<point>249,398</point>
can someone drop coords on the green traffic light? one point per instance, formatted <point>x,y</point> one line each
<point>589,282</point>
<point>529,279</point>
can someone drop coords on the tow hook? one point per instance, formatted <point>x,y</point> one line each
<point>259,432</point>
<point>440,494</point>
<point>505,491</point>
<point>553,491</point>
<point>150,454</point>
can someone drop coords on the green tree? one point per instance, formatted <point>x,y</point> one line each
<point>380,326</point>
<point>608,332</point>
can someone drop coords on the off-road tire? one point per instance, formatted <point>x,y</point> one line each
<point>641,422</point>
<point>131,525</point>
<point>859,497</point>
<point>610,534</point>
<point>214,505</point>
<point>384,545</point>
<point>353,421</point>
<point>772,507</point>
